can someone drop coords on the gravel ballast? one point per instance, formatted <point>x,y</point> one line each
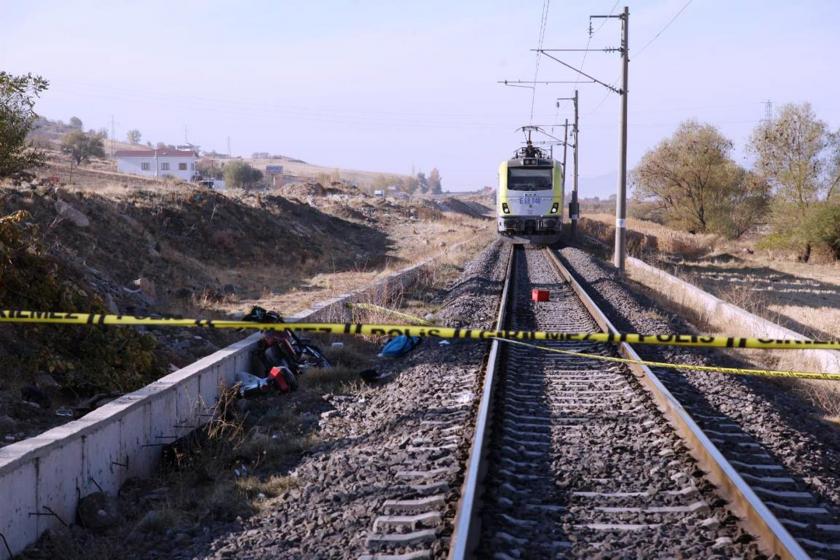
<point>385,447</point>
<point>761,414</point>
<point>581,464</point>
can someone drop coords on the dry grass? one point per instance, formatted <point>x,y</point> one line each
<point>321,172</point>
<point>459,245</point>
<point>646,237</point>
<point>808,304</point>
<point>824,396</point>
<point>802,297</point>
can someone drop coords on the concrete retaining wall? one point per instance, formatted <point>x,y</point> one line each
<point>43,478</point>
<point>717,311</point>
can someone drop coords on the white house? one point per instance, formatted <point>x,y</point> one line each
<point>157,163</point>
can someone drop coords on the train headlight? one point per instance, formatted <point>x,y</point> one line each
<point>554,208</point>
<point>505,208</point>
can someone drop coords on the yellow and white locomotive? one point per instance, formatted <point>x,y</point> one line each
<point>529,201</point>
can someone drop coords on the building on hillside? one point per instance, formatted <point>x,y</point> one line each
<point>157,163</point>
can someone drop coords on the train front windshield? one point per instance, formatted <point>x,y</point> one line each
<point>529,179</point>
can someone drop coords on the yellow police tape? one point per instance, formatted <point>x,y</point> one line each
<point>693,340</point>
<point>718,369</point>
<point>394,312</point>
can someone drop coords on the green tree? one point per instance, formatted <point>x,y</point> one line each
<point>691,178</point>
<point>17,118</point>
<point>422,182</point>
<point>435,184</point>
<point>801,161</point>
<point>133,136</point>
<point>76,122</point>
<point>208,169</point>
<point>409,184</point>
<point>239,174</point>
<point>81,147</point>
<point>822,225</point>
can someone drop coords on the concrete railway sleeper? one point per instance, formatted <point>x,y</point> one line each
<point>577,459</point>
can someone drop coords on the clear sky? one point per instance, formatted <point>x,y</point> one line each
<point>398,85</point>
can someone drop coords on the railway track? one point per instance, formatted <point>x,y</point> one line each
<point>542,455</point>
<point>576,457</point>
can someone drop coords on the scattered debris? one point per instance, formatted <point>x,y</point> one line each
<point>69,212</point>
<point>36,395</point>
<point>373,376</point>
<point>400,346</point>
<point>147,288</point>
<point>250,385</point>
<point>98,511</point>
<point>92,403</point>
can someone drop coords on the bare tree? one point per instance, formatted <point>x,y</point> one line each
<point>435,184</point>
<point>133,136</point>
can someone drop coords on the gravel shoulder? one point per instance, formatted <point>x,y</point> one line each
<point>368,437</point>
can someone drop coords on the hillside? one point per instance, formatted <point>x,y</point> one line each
<point>123,244</point>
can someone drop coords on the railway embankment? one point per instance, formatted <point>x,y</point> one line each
<point>724,316</point>
<point>164,249</point>
<point>398,441</point>
<point>44,478</point>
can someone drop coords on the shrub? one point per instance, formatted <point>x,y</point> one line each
<point>823,226</point>
<point>239,174</point>
<point>17,118</point>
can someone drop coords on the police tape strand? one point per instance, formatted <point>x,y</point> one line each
<point>717,369</point>
<point>691,340</point>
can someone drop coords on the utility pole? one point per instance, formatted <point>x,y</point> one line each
<point>228,146</point>
<point>621,200</point>
<point>574,207</point>
<point>113,133</point>
<point>565,146</point>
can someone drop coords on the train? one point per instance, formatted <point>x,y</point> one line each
<point>529,200</point>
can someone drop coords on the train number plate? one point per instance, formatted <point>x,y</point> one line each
<point>529,199</point>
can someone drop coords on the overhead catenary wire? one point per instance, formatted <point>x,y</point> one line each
<point>593,32</point>
<point>541,37</point>
<point>661,31</point>
<point>644,47</point>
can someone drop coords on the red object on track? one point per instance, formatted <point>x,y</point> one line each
<point>539,295</point>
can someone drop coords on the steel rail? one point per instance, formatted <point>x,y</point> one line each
<point>467,525</point>
<point>757,518</point>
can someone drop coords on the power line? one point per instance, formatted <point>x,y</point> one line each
<point>543,22</point>
<point>591,33</point>
<point>661,31</point>
<point>646,45</point>
<point>603,23</point>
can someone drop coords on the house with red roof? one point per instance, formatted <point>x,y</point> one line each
<point>157,163</point>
